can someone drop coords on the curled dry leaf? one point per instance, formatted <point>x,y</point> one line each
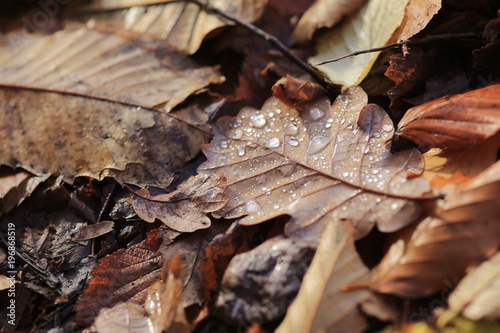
<point>372,26</point>
<point>323,14</point>
<point>322,305</point>
<point>184,209</point>
<point>181,24</point>
<point>330,162</point>
<point>297,93</point>
<point>454,122</point>
<point>466,226</point>
<point>101,66</point>
<point>477,296</point>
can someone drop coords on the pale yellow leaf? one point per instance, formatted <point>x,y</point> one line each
<point>372,26</point>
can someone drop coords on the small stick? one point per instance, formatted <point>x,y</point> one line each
<point>275,42</point>
<point>405,43</point>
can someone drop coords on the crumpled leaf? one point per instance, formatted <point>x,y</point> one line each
<point>322,304</point>
<point>181,24</point>
<point>102,66</point>
<point>467,218</point>
<point>477,296</point>
<point>323,14</point>
<point>184,209</point>
<point>372,26</point>
<point>454,122</point>
<point>281,162</point>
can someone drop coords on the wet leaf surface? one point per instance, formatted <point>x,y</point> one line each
<point>278,161</point>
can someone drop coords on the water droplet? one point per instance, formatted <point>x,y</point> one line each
<point>251,144</point>
<point>276,206</point>
<point>270,114</point>
<point>238,134</point>
<point>241,151</point>
<point>253,207</point>
<point>290,129</point>
<point>273,143</point>
<point>387,127</point>
<point>375,171</point>
<point>317,144</point>
<point>367,149</point>
<point>350,127</point>
<point>329,123</point>
<point>316,114</point>
<point>345,174</point>
<point>293,142</point>
<point>394,206</point>
<point>223,144</point>
<point>258,120</point>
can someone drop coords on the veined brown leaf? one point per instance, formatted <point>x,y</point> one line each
<point>102,66</point>
<point>181,24</point>
<point>454,122</point>
<point>326,163</point>
<point>322,305</point>
<point>466,226</point>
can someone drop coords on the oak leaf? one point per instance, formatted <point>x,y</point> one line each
<point>184,209</point>
<point>326,163</point>
<point>467,218</point>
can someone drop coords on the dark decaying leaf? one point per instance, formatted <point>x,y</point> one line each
<point>120,277</point>
<point>181,24</point>
<point>184,209</point>
<point>318,166</point>
<point>466,227</point>
<point>454,122</point>
<point>48,132</point>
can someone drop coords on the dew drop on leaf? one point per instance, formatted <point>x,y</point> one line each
<point>252,207</point>
<point>241,151</point>
<point>238,134</point>
<point>290,129</point>
<point>387,127</point>
<point>273,143</point>
<point>293,142</point>
<point>316,114</point>
<point>258,120</point>
<point>317,144</point>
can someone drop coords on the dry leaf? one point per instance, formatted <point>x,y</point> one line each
<point>101,66</point>
<point>297,93</point>
<point>122,276</point>
<point>93,231</point>
<point>181,24</point>
<point>184,209</point>
<point>466,226</point>
<point>323,14</point>
<point>372,26</point>
<point>123,317</point>
<point>281,162</point>
<point>417,15</point>
<point>454,122</point>
<point>477,296</point>
<point>322,305</point>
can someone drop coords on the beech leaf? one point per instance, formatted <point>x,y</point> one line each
<point>468,218</point>
<point>184,209</point>
<point>454,122</point>
<point>281,162</point>
<point>321,304</point>
<point>102,66</point>
<point>372,26</point>
<point>181,24</point>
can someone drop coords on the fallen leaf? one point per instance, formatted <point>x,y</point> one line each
<point>181,24</point>
<point>417,15</point>
<point>454,122</point>
<point>372,26</point>
<point>121,277</point>
<point>323,14</point>
<point>477,295</point>
<point>467,218</point>
<point>185,208</point>
<point>297,93</point>
<point>281,162</point>
<point>128,317</point>
<point>102,66</point>
<point>93,231</point>
<point>322,305</point>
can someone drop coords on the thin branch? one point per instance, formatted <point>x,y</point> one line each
<point>405,43</point>
<point>273,41</point>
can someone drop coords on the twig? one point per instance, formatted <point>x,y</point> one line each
<point>405,43</point>
<point>273,41</point>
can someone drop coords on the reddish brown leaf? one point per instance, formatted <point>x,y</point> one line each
<point>454,122</point>
<point>297,93</point>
